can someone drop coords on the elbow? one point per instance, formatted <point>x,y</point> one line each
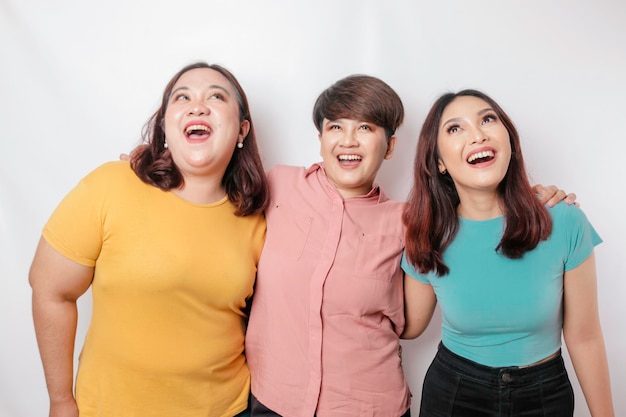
<point>588,335</point>
<point>32,276</point>
<point>409,335</point>
<point>412,332</point>
<point>406,335</point>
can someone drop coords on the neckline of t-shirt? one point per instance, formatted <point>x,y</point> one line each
<point>217,203</point>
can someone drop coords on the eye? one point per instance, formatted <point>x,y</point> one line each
<point>334,126</point>
<point>365,127</point>
<point>180,97</point>
<point>218,96</point>
<point>453,129</point>
<point>489,118</point>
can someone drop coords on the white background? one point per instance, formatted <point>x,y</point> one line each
<point>79,78</point>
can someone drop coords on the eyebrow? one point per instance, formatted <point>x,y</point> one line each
<point>211,87</point>
<point>458,119</point>
<point>343,119</point>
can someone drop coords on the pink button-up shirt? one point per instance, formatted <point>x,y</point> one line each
<point>328,303</point>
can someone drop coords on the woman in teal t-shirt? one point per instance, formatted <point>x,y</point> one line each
<point>509,274</point>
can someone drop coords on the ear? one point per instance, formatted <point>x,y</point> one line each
<point>391,145</point>
<point>441,166</point>
<point>244,129</point>
<point>319,137</point>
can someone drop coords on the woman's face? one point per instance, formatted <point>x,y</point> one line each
<point>474,145</point>
<point>353,152</point>
<point>201,123</point>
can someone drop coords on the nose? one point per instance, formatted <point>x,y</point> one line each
<point>479,136</point>
<point>198,109</point>
<point>349,138</point>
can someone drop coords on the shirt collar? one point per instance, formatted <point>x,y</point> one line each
<point>376,193</point>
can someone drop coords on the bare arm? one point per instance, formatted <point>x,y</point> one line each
<point>551,195</point>
<point>419,305</point>
<point>583,336</point>
<point>56,283</point>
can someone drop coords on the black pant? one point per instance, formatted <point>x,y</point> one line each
<point>457,387</point>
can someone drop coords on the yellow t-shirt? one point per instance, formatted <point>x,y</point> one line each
<point>166,337</point>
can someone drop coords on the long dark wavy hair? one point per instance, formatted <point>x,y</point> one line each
<point>431,213</point>
<point>244,180</point>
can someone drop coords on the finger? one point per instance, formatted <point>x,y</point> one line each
<point>557,196</point>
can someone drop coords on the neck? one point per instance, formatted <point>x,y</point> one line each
<point>479,206</point>
<point>201,190</point>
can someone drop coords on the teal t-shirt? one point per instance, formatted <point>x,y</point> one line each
<point>498,311</point>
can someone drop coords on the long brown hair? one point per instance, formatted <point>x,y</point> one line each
<point>244,180</point>
<point>431,212</point>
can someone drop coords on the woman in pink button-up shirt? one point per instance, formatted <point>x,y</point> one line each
<point>323,336</point>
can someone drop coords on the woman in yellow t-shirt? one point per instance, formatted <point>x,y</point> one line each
<point>169,244</point>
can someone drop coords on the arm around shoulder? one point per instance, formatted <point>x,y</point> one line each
<point>583,336</point>
<point>57,282</point>
<point>419,305</point>
<point>551,195</point>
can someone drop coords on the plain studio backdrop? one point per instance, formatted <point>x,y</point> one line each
<point>78,79</point>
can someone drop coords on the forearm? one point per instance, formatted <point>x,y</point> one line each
<point>55,327</point>
<point>592,370</point>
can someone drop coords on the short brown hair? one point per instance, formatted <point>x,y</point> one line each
<point>360,97</point>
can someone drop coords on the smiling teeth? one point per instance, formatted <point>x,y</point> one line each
<point>478,155</point>
<point>193,128</point>
<point>349,157</point>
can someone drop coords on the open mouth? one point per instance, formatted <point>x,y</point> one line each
<point>479,157</point>
<point>349,159</point>
<point>197,132</point>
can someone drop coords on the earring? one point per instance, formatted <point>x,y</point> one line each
<point>443,172</point>
<point>165,144</point>
<point>240,145</point>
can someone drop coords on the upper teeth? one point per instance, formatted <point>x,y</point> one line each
<point>348,157</point>
<point>197,127</point>
<point>478,155</point>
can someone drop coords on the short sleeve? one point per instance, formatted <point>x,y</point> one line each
<point>581,237</point>
<point>412,272</point>
<point>75,227</point>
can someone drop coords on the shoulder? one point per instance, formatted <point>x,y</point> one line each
<point>286,169</point>
<point>285,174</point>
<point>563,213</point>
<point>390,204</point>
<point>570,222</point>
<point>110,171</point>
<point>112,177</point>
